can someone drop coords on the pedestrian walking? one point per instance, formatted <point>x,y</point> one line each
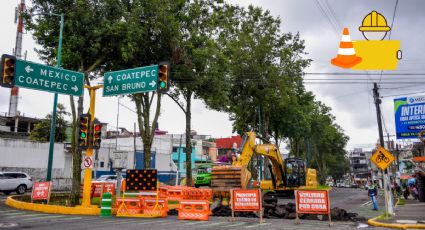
<point>373,193</point>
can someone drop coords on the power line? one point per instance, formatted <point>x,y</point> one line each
<point>392,23</point>
<point>394,95</point>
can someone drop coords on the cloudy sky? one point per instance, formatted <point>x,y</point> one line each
<point>320,24</point>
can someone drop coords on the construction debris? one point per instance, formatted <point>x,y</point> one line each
<point>287,211</point>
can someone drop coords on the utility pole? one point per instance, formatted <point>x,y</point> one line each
<point>55,105</point>
<point>389,208</point>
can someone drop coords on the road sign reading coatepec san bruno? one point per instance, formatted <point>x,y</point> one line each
<point>45,78</point>
<point>382,158</point>
<point>130,81</point>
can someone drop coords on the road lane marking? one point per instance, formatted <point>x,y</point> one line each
<point>234,225</point>
<point>212,224</point>
<point>257,225</point>
<point>188,222</point>
<point>366,203</point>
<point>27,215</point>
<point>41,217</point>
<point>16,213</point>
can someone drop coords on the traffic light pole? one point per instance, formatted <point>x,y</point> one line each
<point>89,152</point>
<point>389,208</point>
<point>55,105</point>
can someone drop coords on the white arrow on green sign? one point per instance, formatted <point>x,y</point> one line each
<point>46,78</point>
<point>130,81</point>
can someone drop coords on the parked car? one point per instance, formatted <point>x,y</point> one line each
<point>18,182</point>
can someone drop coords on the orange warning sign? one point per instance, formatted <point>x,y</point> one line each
<point>246,200</point>
<point>314,201</point>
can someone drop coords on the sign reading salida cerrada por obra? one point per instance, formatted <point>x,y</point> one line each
<point>409,116</point>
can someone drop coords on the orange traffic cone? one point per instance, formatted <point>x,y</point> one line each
<point>346,57</point>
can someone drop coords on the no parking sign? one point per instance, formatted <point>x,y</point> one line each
<point>88,162</point>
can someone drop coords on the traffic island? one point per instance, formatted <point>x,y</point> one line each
<point>411,215</point>
<point>23,202</point>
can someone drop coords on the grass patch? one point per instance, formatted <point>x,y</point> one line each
<point>401,201</point>
<point>320,187</point>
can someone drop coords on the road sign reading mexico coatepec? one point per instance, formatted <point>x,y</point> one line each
<point>46,78</point>
<point>130,81</point>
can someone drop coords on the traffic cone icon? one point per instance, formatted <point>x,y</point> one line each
<point>346,57</point>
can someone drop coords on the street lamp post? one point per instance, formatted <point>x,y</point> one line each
<point>55,103</point>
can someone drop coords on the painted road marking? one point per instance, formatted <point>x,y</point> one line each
<point>28,215</point>
<point>234,225</point>
<point>190,223</point>
<point>366,203</point>
<point>16,213</point>
<point>42,217</point>
<point>151,222</point>
<point>257,225</point>
<point>212,224</point>
<point>9,211</point>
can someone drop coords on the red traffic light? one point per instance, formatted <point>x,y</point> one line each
<point>97,128</point>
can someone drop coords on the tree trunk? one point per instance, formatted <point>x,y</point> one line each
<point>76,152</point>
<point>188,141</point>
<point>147,131</point>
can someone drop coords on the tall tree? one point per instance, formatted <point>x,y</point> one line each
<point>103,35</point>
<point>41,131</point>
<point>198,64</point>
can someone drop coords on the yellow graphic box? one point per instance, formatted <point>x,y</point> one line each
<point>377,54</point>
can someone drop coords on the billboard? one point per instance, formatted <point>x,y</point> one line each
<point>409,116</point>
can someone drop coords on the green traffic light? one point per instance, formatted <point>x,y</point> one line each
<point>83,135</point>
<point>162,84</point>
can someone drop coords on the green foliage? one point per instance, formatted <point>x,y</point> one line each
<point>41,131</point>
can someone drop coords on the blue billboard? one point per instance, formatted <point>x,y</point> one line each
<point>409,116</point>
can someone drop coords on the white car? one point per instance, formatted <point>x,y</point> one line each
<point>17,182</point>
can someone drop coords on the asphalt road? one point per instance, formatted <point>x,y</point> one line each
<point>349,199</point>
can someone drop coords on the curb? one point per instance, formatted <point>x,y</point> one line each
<point>375,223</point>
<point>53,209</point>
<point>388,225</point>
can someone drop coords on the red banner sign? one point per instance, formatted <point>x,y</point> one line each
<point>105,186</point>
<point>314,202</point>
<point>246,200</point>
<point>41,191</point>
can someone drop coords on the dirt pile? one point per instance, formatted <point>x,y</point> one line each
<point>287,211</point>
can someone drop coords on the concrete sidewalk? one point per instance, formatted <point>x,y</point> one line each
<point>411,214</point>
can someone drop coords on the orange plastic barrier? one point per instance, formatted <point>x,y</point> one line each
<point>133,205</point>
<point>197,194</point>
<point>194,210</point>
<point>150,207</point>
<point>176,192</point>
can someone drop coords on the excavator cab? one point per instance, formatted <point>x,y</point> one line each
<point>294,173</point>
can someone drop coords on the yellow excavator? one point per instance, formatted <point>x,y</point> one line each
<point>286,175</point>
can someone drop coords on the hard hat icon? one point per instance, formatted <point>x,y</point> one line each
<point>374,26</point>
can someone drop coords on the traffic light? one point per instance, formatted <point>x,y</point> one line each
<point>7,71</point>
<point>83,139</point>
<point>164,77</point>
<point>97,133</point>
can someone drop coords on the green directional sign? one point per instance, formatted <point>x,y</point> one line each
<point>130,81</point>
<point>45,78</point>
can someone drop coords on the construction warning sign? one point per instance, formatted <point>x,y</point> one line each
<point>382,158</point>
<point>246,200</point>
<point>312,201</point>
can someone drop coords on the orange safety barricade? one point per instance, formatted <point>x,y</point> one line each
<point>194,210</point>
<point>155,207</point>
<point>133,205</point>
<point>176,192</point>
